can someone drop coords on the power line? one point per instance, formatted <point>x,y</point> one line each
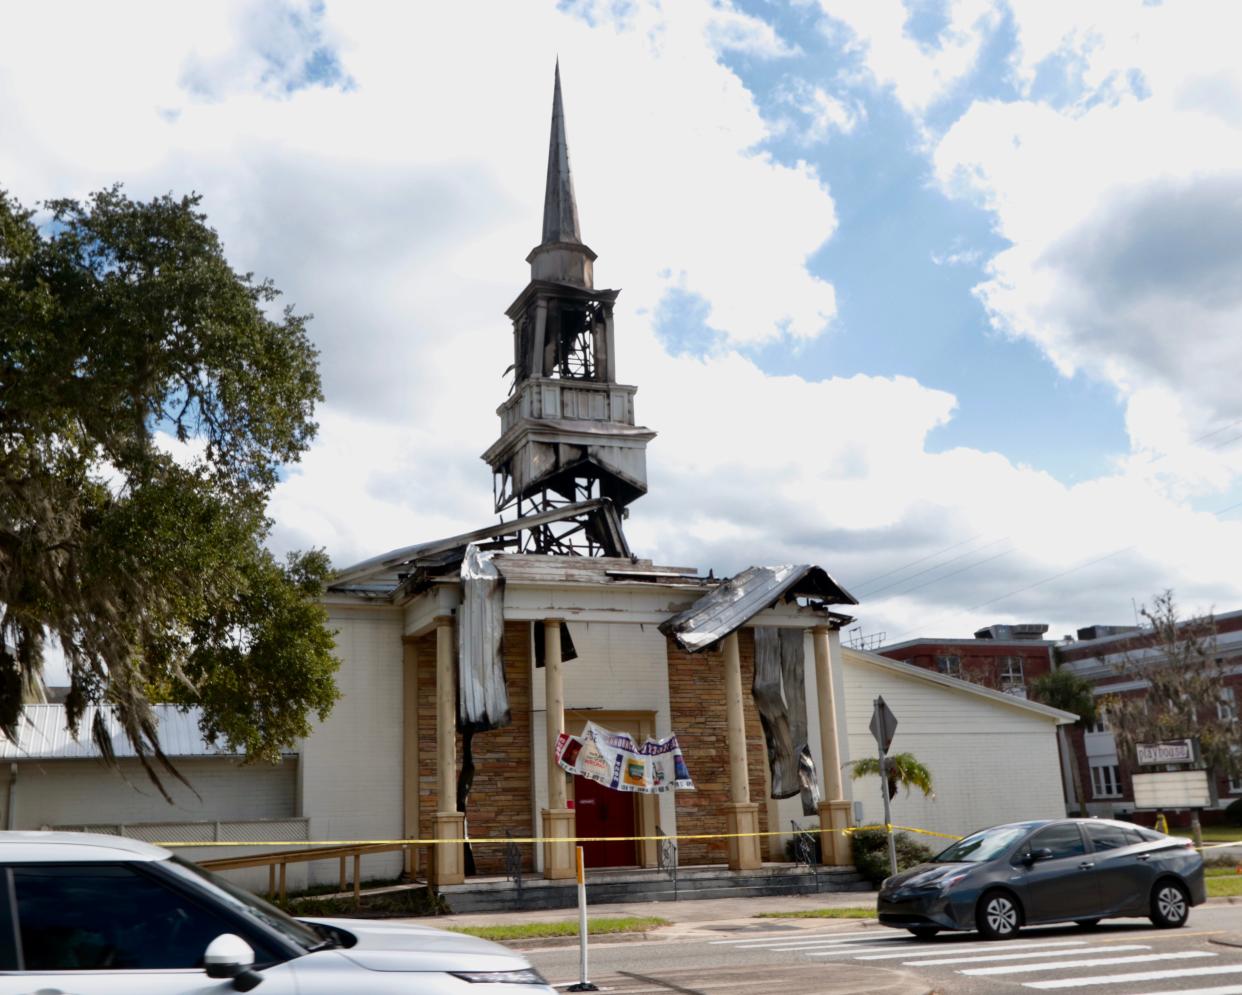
<point>1151,461</point>
<point>913,563</point>
<point>937,566</point>
<point>1058,576</point>
<point>954,545</point>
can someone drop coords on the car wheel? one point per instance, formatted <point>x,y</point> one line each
<point>923,932</point>
<point>998,916</point>
<point>1086,923</point>
<point>1170,905</point>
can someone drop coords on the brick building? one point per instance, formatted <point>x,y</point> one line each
<point>1096,655</point>
<point>1004,657</point>
<point>1009,657</point>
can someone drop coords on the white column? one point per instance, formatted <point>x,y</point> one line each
<point>834,810</point>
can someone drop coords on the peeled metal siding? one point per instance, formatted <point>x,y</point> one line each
<point>739,599</point>
<point>484,698</point>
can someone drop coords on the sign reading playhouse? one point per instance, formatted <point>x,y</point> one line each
<point>1175,751</point>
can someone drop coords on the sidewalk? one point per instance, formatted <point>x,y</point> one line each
<point>688,915</point>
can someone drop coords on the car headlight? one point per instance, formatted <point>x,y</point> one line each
<point>527,976</point>
<point>947,882</point>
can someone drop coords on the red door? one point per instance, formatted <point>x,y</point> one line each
<point>600,811</point>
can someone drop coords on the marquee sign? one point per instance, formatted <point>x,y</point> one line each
<point>1172,789</point>
<point>1174,751</point>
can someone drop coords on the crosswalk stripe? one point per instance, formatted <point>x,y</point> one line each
<point>1089,962</point>
<point>1219,990</point>
<point>960,948</point>
<point>984,958</point>
<point>1120,979</point>
<point>843,952</point>
<point>824,937</point>
<point>866,941</point>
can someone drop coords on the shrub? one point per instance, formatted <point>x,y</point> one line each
<point>1233,814</point>
<point>870,847</point>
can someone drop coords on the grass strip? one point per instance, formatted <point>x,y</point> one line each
<point>1223,886</point>
<point>856,912</point>
<point>569,927</point>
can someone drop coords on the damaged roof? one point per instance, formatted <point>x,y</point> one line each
<point>382,575</point>
<point>740,598</point>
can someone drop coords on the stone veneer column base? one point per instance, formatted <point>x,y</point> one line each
<point>558,858</point>
<point>743,817</point>
<point>448,860</point>
<point>834,845</point>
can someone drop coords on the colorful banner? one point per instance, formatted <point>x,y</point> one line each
<point>616,761</point>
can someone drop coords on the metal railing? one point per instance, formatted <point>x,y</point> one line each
<point>666,857</point>
<point>806,850</point>
<point>513,866</point>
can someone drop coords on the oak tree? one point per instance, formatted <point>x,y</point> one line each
<point>149,396</point>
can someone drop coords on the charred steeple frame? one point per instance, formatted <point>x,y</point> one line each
<point>567,428</point>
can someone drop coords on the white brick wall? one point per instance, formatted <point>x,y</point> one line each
<point>351,763</point>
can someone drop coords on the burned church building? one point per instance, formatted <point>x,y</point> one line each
<point>467,660</point>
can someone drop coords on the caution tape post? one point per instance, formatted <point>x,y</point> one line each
<point>584,984</point>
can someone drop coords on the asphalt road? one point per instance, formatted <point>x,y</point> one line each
<point>1122,957</point>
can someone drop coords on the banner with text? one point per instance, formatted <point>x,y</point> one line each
<point>614,759</point>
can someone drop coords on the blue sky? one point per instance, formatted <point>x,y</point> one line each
<point>904,261</point>
<point>943,292</point>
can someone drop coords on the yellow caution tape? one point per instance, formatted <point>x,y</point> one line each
<point>887,827</point>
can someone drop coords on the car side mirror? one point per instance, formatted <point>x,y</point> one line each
<point>229,956</point>
<point>1035,856</point>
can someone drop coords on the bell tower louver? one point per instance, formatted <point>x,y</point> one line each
<point>567,429</point>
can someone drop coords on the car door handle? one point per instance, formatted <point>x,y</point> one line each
<point>1144,857</point>
<point>1086,865</point>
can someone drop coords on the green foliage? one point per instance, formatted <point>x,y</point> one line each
<point>870,851</point>
<point>904,770</point>
<point>1184,684</point>
<point>597,926</point>
<point>123,328</point>
<point>1066,690</point>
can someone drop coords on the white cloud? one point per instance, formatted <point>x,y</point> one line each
<point>1121,195</point>
<point>399,207</point>
<point>822,113</point>
<point>919,72</point>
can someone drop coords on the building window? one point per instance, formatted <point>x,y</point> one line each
<point>1227,705</point>
<point>950,666</point>
<point>1100,724</point>
<point>1011,674</point>
<point>1106,780</point>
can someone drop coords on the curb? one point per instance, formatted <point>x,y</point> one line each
<point>550,942</point>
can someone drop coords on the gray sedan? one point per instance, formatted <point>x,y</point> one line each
<point>1068,870</point>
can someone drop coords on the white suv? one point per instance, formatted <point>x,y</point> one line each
<point>89,915</point>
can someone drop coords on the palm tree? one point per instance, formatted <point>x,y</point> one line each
<point>904,770</point>
<point>1066,690</point>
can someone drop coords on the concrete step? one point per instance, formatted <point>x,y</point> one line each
<point>650,886</point>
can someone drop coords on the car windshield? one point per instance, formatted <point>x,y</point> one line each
<point>247,903</point>
<point>987,844</point>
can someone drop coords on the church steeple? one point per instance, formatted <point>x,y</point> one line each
<point>568,436</point>
<point>560,210</point>
<point>561,256</point>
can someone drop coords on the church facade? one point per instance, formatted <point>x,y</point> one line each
<point>465,659</point>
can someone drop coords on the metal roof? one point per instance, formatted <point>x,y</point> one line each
<point>739,599</point>
<point>383,574</point>
<point>43,734</point>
